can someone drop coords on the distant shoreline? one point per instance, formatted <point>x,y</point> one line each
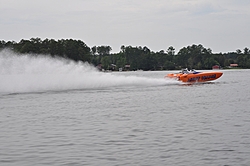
<point>131,57</point>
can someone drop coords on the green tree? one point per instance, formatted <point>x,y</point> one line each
<point>2,44</point>
<point>106,62</point>
<point>246,51</point>
<point>238,51</point>
<point>171,50</point>
<point>191,56</point>
<point>94,50</point>
<point>103,50</point>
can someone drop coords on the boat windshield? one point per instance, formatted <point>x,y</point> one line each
<point>185,71</point>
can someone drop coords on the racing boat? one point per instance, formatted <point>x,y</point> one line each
<point>194,76</point>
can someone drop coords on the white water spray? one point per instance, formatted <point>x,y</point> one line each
<point>30,73</point>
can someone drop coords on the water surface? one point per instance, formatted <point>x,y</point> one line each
<point>79,116</point>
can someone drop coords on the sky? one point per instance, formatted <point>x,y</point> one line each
<point>221,25</point>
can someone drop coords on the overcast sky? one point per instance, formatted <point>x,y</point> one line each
<point>222,25</point>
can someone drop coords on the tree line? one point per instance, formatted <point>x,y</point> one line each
<point>131,57</point>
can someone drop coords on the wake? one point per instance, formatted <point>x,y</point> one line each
<point>31,73</point>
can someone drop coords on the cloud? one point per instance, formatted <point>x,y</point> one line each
<point>154,23</point>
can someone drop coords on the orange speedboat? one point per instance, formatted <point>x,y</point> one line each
<point>194,76</point>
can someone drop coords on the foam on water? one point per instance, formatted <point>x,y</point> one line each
<point>31,73</point>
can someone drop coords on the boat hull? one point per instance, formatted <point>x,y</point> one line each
<point>200,77</point>
<point>195,77</point>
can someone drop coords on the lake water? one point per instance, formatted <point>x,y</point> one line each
<point>56,112</point>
